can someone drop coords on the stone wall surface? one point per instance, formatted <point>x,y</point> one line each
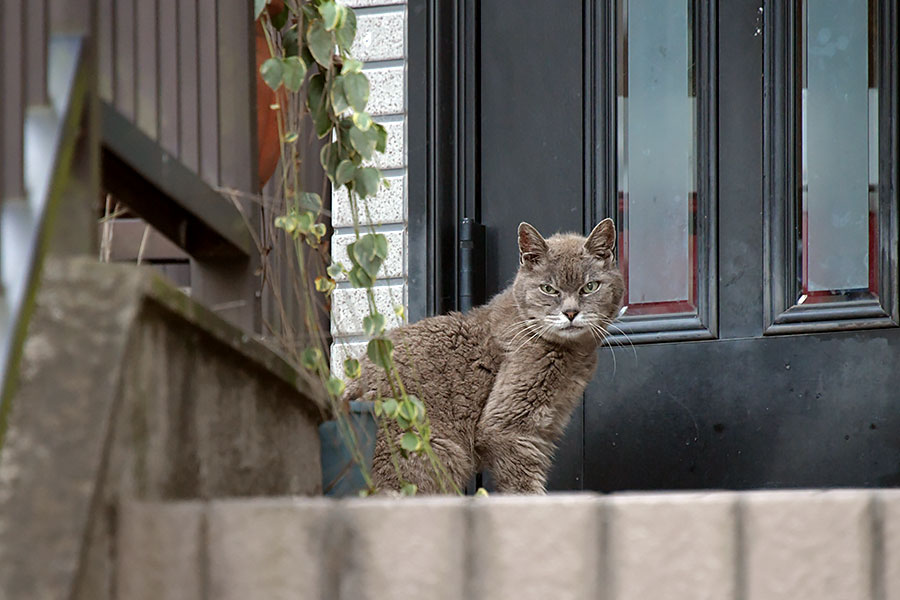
<point>130,390</point>
<point>802,545</point>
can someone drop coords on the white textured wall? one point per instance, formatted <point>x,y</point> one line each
<point>381,44</point>
<point>773,545</point>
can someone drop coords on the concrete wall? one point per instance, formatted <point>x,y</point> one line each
<point>381,44</point>
<point>785,545</point>
<point>130,390</point>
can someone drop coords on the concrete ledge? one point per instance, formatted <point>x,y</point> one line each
<point>128,389</point>
<point>690,539</point>
<point>161,553</point>
<point>383,559</point>
<point>711,546</point>
<point>268,548</point>
<point>808,545</point>
<point>533,548</point>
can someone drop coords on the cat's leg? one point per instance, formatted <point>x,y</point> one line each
<point>515,433</point>
<point>518,464</point>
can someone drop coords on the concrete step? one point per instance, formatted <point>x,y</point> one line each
<point>797,545</point>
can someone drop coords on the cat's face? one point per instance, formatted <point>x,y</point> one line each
<point>568,286</point>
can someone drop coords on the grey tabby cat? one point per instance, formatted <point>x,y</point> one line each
<point>500,382</point>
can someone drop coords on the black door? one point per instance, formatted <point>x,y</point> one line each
<point>748,154</point>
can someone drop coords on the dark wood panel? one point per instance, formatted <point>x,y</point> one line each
<point>188,85</point>
<point>35,57</point>
<point>209,84</point>
<point>147,70</point>
<point>12,100</point>
<point>169,82</point>
<point>125,58</point>
<point>106,43</point>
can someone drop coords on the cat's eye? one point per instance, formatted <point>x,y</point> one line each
<point>590,287</point>
<point>549,289</point>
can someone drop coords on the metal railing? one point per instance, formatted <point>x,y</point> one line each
<point>45,125</point>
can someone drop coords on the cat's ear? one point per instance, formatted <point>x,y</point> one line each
<point>532,246</point>
<point>602,240</point>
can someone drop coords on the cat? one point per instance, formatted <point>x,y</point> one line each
<point>500,382</point>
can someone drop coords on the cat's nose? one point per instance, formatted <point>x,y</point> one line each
<point>571,314</point>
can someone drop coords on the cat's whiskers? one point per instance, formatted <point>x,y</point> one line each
<point>604,337</point>
<point>539,333</point>
<point>609,323</point>
<point>529,326</point>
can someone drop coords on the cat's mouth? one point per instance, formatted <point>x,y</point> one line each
<point>570,329</point>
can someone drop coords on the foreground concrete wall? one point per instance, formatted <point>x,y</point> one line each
<point>129,390</point>
<point>793,545</point>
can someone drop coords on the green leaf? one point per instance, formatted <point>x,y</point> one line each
<point>481,493</point>
<point>346,170</point>
<point>291,137</point>
<point>305,221</point>
<point>335,386</point>
<point>366,261</point>
<point>389,407</point>
<point>401,314</point>
<point>317,108</point>
<point>363,141</point>
<point>408,411</point>
<point>364,248</point>
<point>381,245</point>
<point>290,43</point>
<point>362,120</point>
<point>373,324</point>
<point>338,98</point>
<point>366,181</point>
<point>294,72</point>
<point>409,442</point>
<point>359,278</point>
<point>379,409</point>
<point>272,72</point>
<point>334,271</point>
<point>319,230</point>
<point>311,358</point>
<point>320,42</point>
<point>369,252</point>
<point>258,7</point>
<point>309,11</point>
<point>409,489</point>
<point>329,157</point>
<point>315,92</point>
<point>381,352</point>
<point>306,55</point>
<point>417,403</point>
<point>346,31</point>
<point>352,368</point>
<point>324,284</point>
<point>331,14</point>
<point>281,18</point>
<point>356,87</point>
<point>311,201</point>
<point>351,65</point>
<point>381,139</point>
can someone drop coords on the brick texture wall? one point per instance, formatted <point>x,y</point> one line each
<point>381,45</point>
